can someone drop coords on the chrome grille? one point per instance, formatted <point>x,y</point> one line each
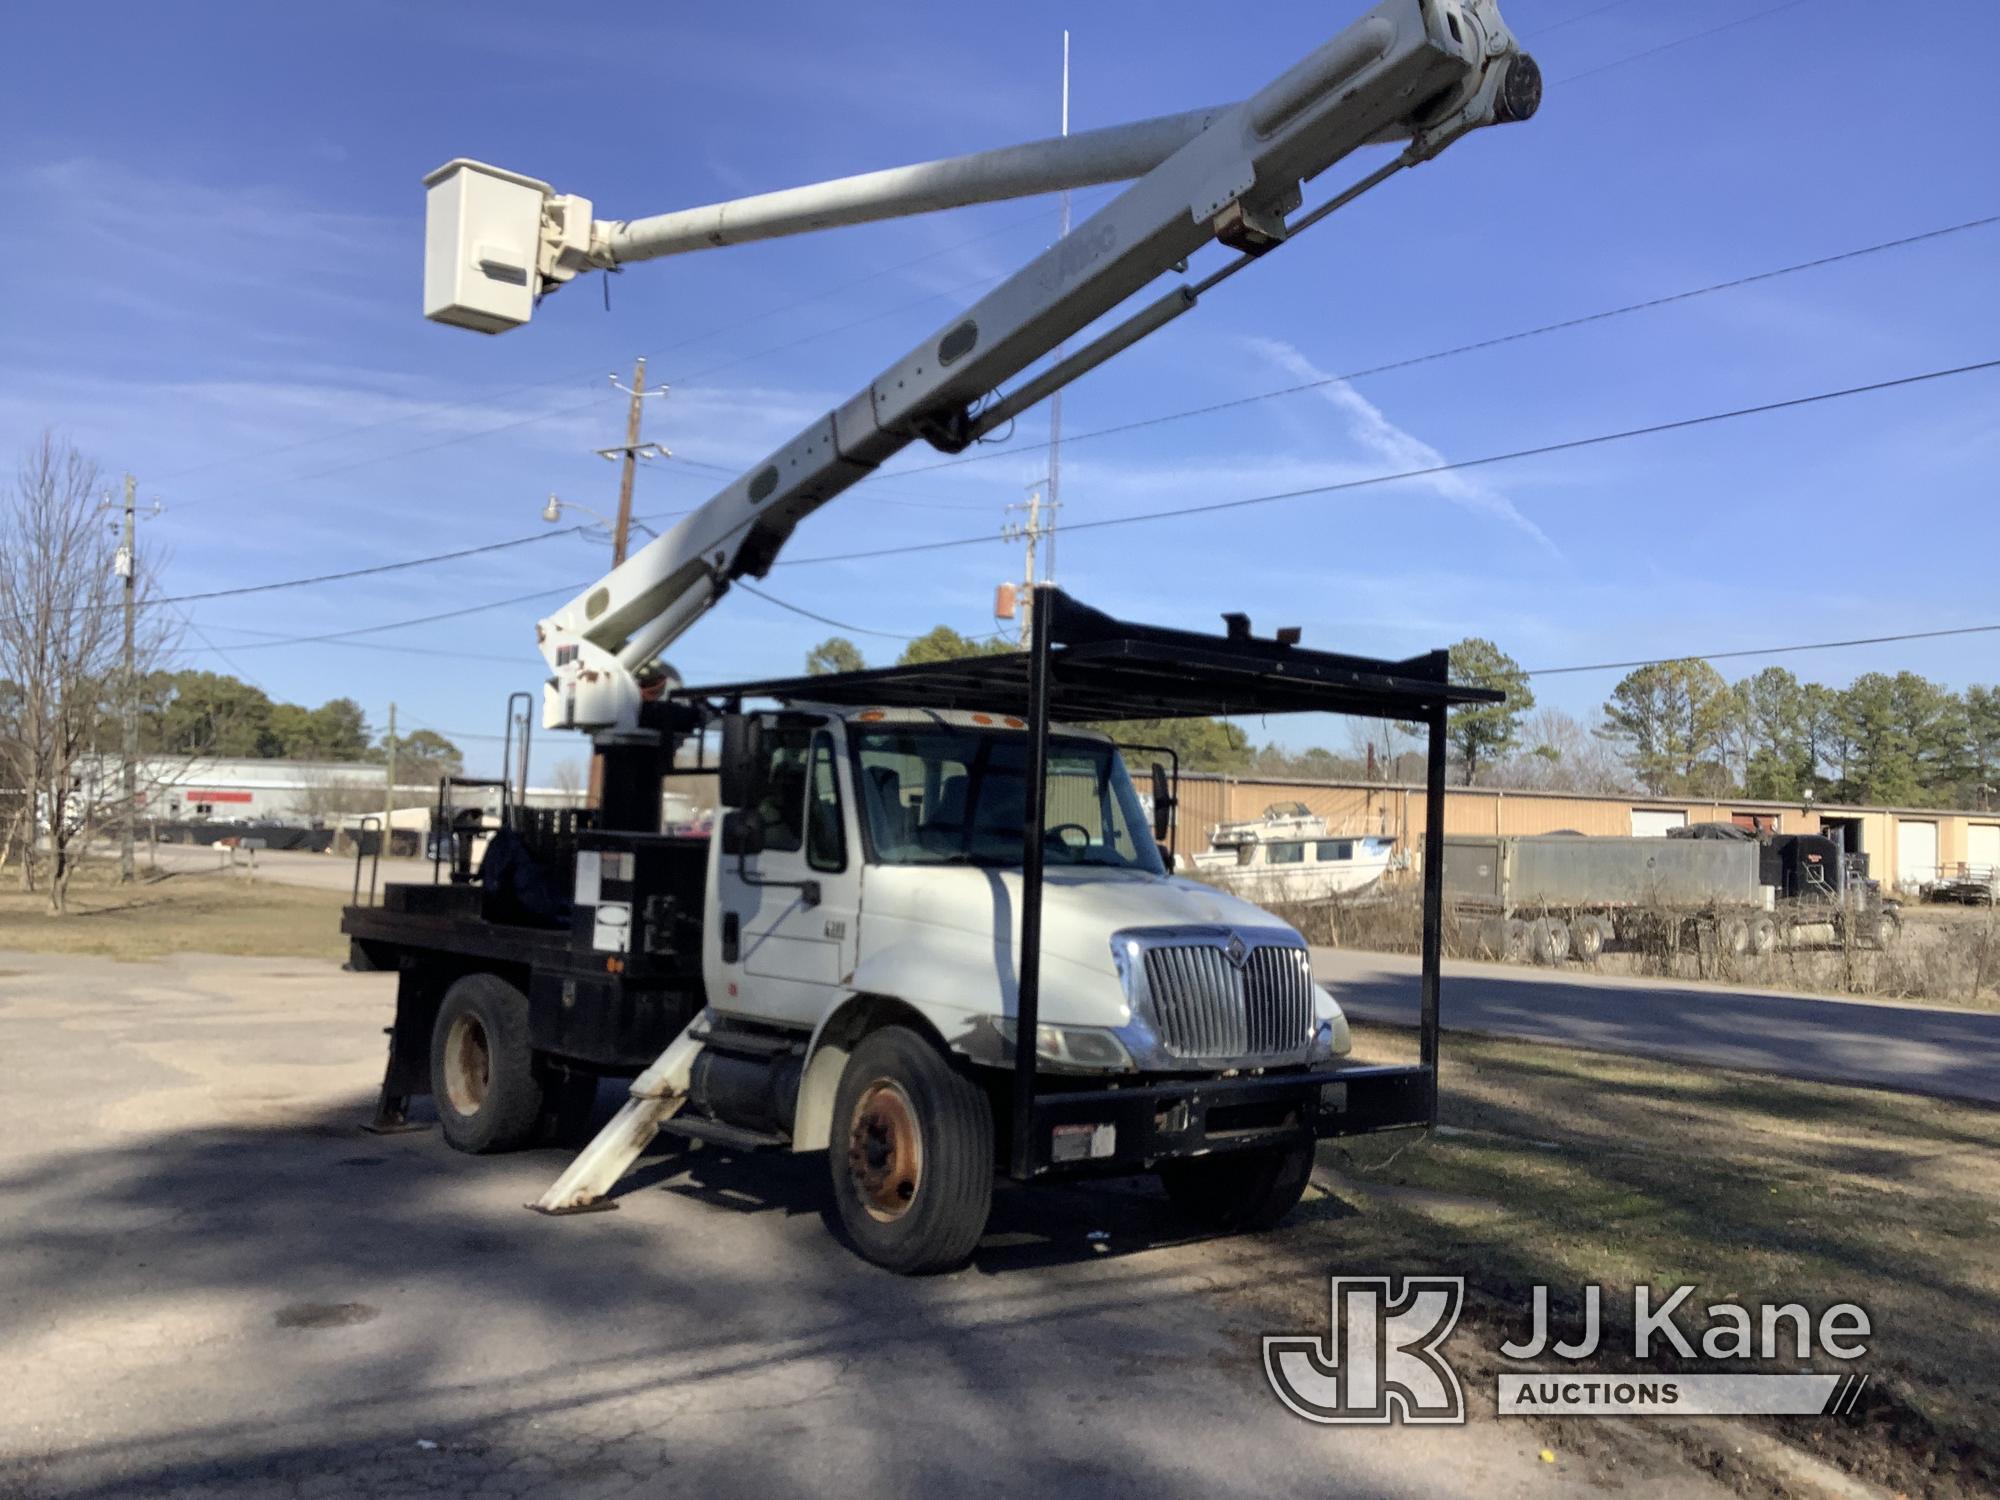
<point>1204,1006</point>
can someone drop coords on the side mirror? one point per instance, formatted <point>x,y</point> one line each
<point>738,771</point>
<point>1164,802</point>
<point>742,832</point>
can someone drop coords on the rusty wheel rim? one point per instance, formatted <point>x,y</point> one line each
<point>885,1152</point>
<point>468,1064</point>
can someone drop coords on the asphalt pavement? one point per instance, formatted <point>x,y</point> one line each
<point>213,1283</point>
<point>1923,1049</point>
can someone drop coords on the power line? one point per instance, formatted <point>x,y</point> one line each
<point>758,593</point>
<point>1865,640</point>
<point>432,619</point>
<point>911,502</point>
<point>414,562</point>
<point>1537,35</point>
<point>1678,42</point>
<point>373,569</point>
<point>1519,335</point>
<point>277,638</point>
<point>1541,450</point>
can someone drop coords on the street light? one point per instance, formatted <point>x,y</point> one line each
<point>553,512</point>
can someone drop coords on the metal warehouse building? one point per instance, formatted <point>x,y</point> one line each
<point>1906,846</point>
<point>258,790</point>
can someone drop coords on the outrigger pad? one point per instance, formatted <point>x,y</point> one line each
<point>600,1206</point>
<point>392,1117</point>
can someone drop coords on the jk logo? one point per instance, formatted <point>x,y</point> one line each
<point>1380,1361</point>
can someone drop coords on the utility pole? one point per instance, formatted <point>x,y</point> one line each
<point>621,532</point>
<point>128,569</point>
<point>1040,523</point>
<point>387,844</point>
<point>631,451</point>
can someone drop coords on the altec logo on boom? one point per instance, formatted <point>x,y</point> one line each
<point>1381,1361</point>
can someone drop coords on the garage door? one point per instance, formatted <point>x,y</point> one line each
<point>1916,852</point>
<point>1982,850</point>
<point>1652,822</point>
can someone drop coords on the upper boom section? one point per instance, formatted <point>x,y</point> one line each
<point>1421,72</point>
<point>496,239</point>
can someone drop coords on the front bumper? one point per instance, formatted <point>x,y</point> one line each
<point>1120,1130</point>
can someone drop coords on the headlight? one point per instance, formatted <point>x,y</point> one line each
<point>1331,1038</point>
<point>1085,1048</point>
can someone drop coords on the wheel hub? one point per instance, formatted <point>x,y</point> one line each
<point>885,1150</point>
<point>468,1064</point>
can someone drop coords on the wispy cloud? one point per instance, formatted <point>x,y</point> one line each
<point>1370,428</point>
<point>195,235</point>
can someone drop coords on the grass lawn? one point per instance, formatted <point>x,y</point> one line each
<point>1566,1168</point>
<point>204,913</point>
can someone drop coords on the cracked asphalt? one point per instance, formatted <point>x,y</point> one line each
<point>213,1283</point>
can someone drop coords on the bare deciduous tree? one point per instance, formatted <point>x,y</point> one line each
<point>1559,753</point>
<point>568,779</point>
<point>325,798</point>
<point>61,654</point>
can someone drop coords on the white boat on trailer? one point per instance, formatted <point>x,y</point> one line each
<point>1279,820</point>
<point>1302,869</point>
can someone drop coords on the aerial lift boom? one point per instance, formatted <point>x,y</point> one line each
<point>1419,73</point>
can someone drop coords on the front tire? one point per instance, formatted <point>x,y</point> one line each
<point>489,1096</point>
<point>1240,1190</point>
<point>911,1154</point>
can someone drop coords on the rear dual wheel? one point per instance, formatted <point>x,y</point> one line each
<point>1548,940</point>
<point>1589,936</point>
<point>492,1092</point>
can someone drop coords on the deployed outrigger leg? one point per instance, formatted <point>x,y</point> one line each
<point>657,1095</point>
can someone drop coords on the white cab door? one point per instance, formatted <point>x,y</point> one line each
<point>794,954</point>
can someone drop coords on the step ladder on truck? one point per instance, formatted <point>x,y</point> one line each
<point>933,933</point>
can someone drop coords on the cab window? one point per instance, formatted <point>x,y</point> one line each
<point>1285,854</point>
<point>826,835</point>
<point>782,807</point>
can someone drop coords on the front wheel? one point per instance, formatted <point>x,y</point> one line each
<point>1240,1190</point>
<point>912,1154</point>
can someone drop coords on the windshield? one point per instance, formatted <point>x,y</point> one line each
<point>939,795</point>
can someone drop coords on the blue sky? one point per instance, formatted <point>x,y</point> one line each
<point>215,244</point>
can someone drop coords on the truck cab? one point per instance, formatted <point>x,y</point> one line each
<point>878,856</point>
